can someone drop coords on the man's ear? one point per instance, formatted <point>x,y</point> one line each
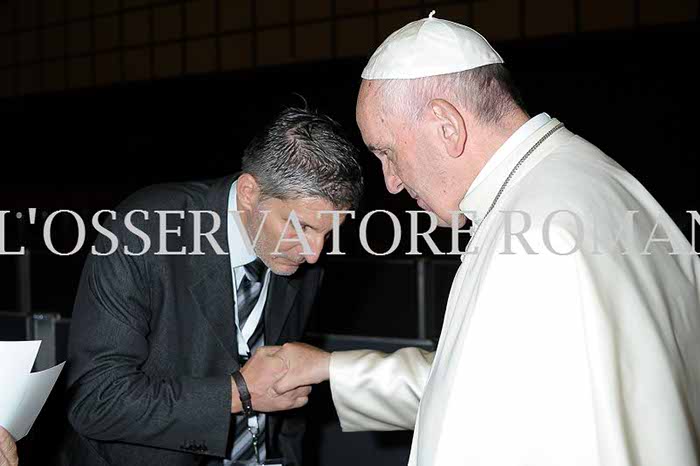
<point>451,126</point>
<point>247,192</point>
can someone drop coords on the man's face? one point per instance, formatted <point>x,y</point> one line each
<point>408,153</point>
<point>284,257</point>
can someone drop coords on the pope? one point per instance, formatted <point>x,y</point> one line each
<point>572,331</point>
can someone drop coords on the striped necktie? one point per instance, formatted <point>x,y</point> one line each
<point>247,297</point>
<point>248,294</point>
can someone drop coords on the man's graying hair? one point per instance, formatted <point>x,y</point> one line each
<point>487,91</point>
<point>305,154</point>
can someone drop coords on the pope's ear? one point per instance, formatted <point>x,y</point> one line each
<point>247,192</point>
<point>451,127</point>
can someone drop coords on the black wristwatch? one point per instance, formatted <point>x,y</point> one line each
<point>243,393</point>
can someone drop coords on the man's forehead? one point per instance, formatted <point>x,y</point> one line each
<point>304,207</point>
<point>307,210</point>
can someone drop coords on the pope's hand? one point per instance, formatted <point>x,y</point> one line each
<point>8,449</point>
<point>306,365</point>
<point>260,373</point>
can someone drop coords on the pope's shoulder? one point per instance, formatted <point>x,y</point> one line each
<point>575,180</point>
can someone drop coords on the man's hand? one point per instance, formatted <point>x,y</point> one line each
<point>8,449</point>
<point>306,365</point>
<point>262,370</point>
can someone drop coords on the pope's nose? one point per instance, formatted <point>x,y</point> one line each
<point>393,183</point>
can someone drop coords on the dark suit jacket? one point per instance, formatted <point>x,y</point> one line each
<point>153,343</point>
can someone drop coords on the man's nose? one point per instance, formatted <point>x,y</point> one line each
<point>316,243</point>
<point>393,183</point>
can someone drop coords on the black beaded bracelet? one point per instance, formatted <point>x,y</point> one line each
<point>244,394</point>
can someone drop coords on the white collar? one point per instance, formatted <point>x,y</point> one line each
<point>239,253</point>
<point>479,198</point>
<point>522,133</point>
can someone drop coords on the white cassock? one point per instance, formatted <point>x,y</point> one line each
<point>588,358</point>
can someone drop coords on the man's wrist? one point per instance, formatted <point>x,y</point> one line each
<point>236,405</point>
<point>325,367</point>
<point>244,393</point>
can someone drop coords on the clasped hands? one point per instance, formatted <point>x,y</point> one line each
<point>280,377</point>
<point>8,449</point>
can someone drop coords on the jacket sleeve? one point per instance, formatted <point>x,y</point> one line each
<point>378,391</point>
<point>110,397</point>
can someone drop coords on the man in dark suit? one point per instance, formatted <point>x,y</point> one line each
<point>174,299</point>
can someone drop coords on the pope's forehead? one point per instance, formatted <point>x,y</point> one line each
<point>370,92</point>
<point>370,101</point>
<point>372,117</point>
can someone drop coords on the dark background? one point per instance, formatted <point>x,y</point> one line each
<point>634,94</point>
<point>620,73</point>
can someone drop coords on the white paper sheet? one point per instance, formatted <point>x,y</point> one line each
<point>22,393</point>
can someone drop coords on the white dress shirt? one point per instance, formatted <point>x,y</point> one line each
<point>240,255</point>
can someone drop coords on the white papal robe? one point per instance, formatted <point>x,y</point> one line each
<point>576,343</point>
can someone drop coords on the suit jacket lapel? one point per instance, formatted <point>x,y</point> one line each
<point>212,285</point>
<point>280,298</point>
<point>214,297</point>
<point>211,280</point>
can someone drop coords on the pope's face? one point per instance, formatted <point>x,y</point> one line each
<point>278,244</point>
<point>410,159</point>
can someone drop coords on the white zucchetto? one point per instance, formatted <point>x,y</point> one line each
<point>430,47</point>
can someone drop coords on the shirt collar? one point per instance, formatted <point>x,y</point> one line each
<point>483,189</point>
<point>239,253</point>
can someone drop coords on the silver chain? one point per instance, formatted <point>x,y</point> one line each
<point>515,169</point>
<point>256,439</point>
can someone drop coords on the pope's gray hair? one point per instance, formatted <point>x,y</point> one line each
<point>488,92</point>
<point>305,154</point>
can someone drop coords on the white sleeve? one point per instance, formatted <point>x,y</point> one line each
<point>378,391</point>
